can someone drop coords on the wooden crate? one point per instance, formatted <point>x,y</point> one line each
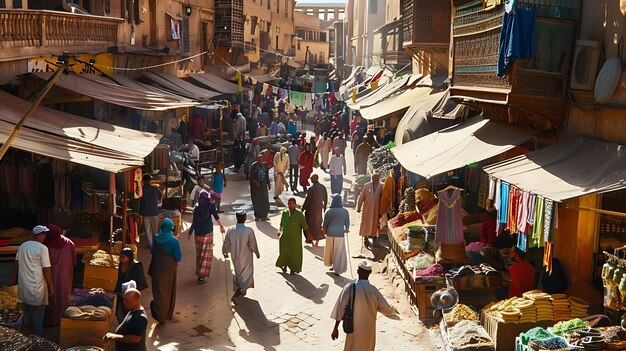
<point>424,292</point>
<point>100,277</point>
<point>73,330</point>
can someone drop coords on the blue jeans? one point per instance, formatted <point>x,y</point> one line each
<point>336,184</point>
<point>33,316</point>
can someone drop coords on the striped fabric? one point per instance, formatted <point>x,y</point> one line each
<point>204,255</point>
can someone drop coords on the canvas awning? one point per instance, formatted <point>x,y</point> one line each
<point>180,87</point>
<point>398,101</point>
<point>139,96</point>
<point>385,89</point>
<point>214,82</point>
<point>414,123</point>
<point>567,169</point>
<point>455,147</point>
<point>64,136</point>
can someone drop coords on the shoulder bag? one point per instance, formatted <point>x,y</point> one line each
<point>348,315</point>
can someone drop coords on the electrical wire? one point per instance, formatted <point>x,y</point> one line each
<point>153,66</point>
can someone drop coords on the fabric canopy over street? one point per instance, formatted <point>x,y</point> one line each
<point>64,136</point>
<point>396,102</point>
<point>568,169</point>
<point>385,89</point>
<point>214,82</point>
<point>178,86</point>
<point>139,96</point>
<point>455,147</point>
<point>414,123</point>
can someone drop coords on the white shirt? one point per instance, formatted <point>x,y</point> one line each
<point>32,257</point>
<point>194,152</point>
<point>195,192</point>
<point>336,165</point>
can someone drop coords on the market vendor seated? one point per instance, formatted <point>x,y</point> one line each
<point>522,274</point>
<point>192,150</point>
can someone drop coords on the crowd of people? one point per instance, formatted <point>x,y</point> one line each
<point>45,264</point>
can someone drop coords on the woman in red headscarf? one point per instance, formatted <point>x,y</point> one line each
<point>62,261</point>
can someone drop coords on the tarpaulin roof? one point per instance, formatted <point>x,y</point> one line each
<point>214,82</point>
<point>180,87</point>
<point>133,94</point>
<point>385,89</point>
<point>64,136</point>
<point>567,169</point>
<point>455,147</point>
<point>414,123</point>
<point>398,101</point>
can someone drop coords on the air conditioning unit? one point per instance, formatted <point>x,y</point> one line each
<point>585,69</point>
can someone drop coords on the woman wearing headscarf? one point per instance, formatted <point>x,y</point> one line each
<point>259,185</point>
<point>129,269</point>
<point>281,165</point>
<point>253,152</point>
<point>336,224</point>
<point>202,227</point>
<point>62,261</point>
<point>305,163</point>
<point>165,257</point>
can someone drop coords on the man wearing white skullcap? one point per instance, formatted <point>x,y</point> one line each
<point>367,302</point>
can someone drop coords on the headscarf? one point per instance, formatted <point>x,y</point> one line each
<point>54,238</point>
<point>255,141</point>
<point>166,238</point>
<point>335,201</point>
<point>283,150</point>
<point>128,252</point>
<point>203,211</point>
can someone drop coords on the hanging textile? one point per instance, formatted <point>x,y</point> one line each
<point>137,179</point>
<point>517,38</point>
<point>522,212</point>
<point>297,98</point>
<point>547,220</point>
<point>266,88</point>
<point>522,242</point>
<point>308,102</point>
<point>449,229</point>
<point>483,190</point>
<point>504,203</point>
<point>548,252</point>
<point>537,230</point>
<point>497,199</point>
<point>239,82</point>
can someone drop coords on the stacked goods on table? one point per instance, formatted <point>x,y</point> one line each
<point>408,202</point>
<point>100,270</point>
<point>381,161</point>
<point>10,317</point>
<point>578,307</point>
<point>435,270</point>
<point>481,276</point>
<point>9,314</point>
<point>451,253</point>
<point>469,335</point>
<point>459,313</point>
<point>15,236</point>
<point>90,316</point>
<point>535,306</point>
<point>12,340</point>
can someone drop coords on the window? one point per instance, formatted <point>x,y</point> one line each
<point>277,6</point>
<point>323,36</point>
<point>269,6</point>
<point>253,22</point>
<point>286,8</point>
<point>372,7</point>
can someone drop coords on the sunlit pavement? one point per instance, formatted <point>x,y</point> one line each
<point>283,312</point>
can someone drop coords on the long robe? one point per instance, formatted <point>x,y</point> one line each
<point>367,302</point>
<point>370,201</point>
<point>62,262</point>
<point>360,158</point>
<point>305,164</point>
<point>241,242</point>
<point>323,147</point>
<point>290,244</point>
<point>253,153</point>
<point>316,201</point>
<point>281,166</point>
<point>259,180</point>
<point>239,152</point>
<point>163,270</point>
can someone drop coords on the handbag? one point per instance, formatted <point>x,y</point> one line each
<point>348,315</point>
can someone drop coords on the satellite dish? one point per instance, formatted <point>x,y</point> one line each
<point>607,80</point>
<point>509,6</point>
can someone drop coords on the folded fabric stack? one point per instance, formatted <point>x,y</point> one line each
<point>528,312</point>
<point>578,307</point>
<point>543,305</point>
<point>560,307</point>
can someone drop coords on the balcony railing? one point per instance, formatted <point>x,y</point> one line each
<point>26,30</point>
<point>426,23</point>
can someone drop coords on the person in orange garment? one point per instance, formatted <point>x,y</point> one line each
<point>522,274</point>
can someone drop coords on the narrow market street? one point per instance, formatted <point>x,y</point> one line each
<point>282,312</point>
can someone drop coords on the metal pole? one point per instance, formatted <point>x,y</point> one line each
<point>221,137</point>
<point>44,92</point>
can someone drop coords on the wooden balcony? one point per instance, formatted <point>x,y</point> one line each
<point>28,33</point>
<point>426,24</point>
<point>533,91</point>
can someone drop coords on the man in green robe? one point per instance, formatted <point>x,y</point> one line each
<point>292,223</point>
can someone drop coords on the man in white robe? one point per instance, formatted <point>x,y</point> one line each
<point>241,242</point>
<point>323,147</point>
<point>281,165</point>
<point>368,301</point>
<point>369,201</point>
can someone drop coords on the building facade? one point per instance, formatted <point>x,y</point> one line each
<point>312,39</point>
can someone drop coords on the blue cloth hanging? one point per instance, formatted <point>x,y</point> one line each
<point>517,38</point>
